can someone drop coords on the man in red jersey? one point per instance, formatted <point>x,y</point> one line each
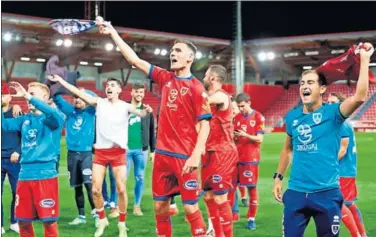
<point>179,146</point>
<point>220,159</point>
<point>249,133</point>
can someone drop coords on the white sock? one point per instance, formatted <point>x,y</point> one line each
<point>210,224</point>
<point>251,219</point>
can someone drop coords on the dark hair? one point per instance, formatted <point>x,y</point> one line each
<point>137,86</point>
<point>190,45</point>
<point>341,97</point>
<point>243,97</point>
<point>115,80</point>
<point>219,70</point>
<point>322,79</point>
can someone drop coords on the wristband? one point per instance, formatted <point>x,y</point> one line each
<point>277,175</point>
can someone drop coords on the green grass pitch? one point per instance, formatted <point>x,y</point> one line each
<point>269,213</point>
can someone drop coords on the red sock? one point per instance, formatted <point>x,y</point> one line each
<point>242,190</point>
<point>348,220</point>
<point>26,229</point>
<point>231,195</point>
<point>225,213</point>
<point>198,228</point>
<point>253,203</point>
<point>50,229</point>
<point>358,219</point>
<point>101,213</point>
<point>122,216</point>
<point>163,225</point>
<point>214,217</point>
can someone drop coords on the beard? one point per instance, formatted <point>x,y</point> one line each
<point>206,86</point>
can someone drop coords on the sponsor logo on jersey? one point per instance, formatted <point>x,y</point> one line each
<point>47,203</point>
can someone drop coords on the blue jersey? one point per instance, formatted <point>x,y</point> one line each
<point>347,165</point>
<point>80,125</point>
<point>315,136</point>
<point>40,140</point>
<point>10,141</point>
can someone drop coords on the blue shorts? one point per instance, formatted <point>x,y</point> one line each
<point>324,207</point>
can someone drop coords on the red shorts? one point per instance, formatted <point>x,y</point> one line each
<point>247,174</point>
<point>114,157</point>
<point>168,180</point>
<point>348,189</point>
<point>217,170</point>
<point>37,199</point>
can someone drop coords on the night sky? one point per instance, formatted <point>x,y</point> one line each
<point>216,19</point>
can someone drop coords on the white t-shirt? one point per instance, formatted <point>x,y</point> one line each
<point>112,124</point>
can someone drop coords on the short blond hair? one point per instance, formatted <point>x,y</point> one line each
<point>41,86</point>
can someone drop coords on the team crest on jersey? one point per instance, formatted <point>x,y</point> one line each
<point>184,90</point>
<point>317,117</point>
<point>335,229</point>
<point>252,123</point>
<point>168,84</point>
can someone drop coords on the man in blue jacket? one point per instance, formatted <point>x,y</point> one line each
<point>37,188</point>
<point>10,153</point>
<point>80,130</point>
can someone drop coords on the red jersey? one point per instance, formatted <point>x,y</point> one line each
<point>252,124</point>
<point>221,137</point>
<point>184,102</point>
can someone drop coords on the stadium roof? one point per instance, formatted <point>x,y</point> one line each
<point>290,54</point>
<point>38,40</point>
<point>293,53</point>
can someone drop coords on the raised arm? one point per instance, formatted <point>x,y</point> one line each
<point>91,100</point>
<point>352,103</point>
<point>53,119</point>
<point>63,105</point>
<point>125,50</point>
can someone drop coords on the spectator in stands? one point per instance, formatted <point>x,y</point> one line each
<point>80,128</point>
<point>10,153</point>
<point>141,137</point>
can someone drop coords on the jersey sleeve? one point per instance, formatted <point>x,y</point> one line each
<point>11,124</point>
<point>289,124</point>
<point>54,119</point>
<point>335,113</point>
<point>159,75</point>
<point>63,105</point>
<point>344,131</point>
<point>201,103</point>
<point>260,125</point>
